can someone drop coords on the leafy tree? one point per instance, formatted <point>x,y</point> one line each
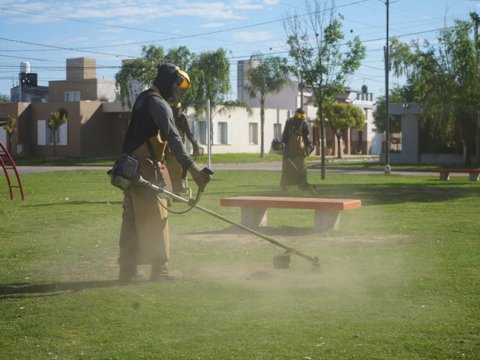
<point>142,70</point>
<point>445,78</point>
<point>56,119</point>
<point>208,71</point>
<point>10,127</point>
<point>267,75</point>
<point>322,57</point>
<point>210,74</point>
<point>180,56</point>
<point>342,116</point>
<point>4,99</point>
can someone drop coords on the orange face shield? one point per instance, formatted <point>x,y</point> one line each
<point>184,80</point>
<point>300,116</point>
<point>179,87</point>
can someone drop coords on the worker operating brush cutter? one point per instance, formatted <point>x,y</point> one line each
<point>144,235</point>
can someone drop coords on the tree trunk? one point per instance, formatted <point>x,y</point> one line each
<point>339,145</point>
<point>262,128</point>
<point>54,143</point>
<point>322,137</point>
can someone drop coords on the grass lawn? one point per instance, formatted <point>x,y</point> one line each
<point>398,280</point>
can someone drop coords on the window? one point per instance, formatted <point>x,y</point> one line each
<point>253,133</point>
<point>3,135</point>
<point>200,131</point>
<point>50,137</point>
<point>277,130</point>
<point>45,135</point>
<point>72,96</point>
<point>222,133</point>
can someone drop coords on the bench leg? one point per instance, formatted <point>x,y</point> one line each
<point>327,220</point>
<point>444,176</point>
<point>474,177</point>
<point>254,217</point>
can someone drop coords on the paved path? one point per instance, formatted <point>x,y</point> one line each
<point>268,165</point>
<point>36,169</point>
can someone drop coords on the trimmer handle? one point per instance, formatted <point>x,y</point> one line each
<point>207,171</point>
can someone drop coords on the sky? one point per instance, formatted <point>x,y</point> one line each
<point>47,32</point>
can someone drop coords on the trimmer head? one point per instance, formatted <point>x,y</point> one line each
<point>283,261</point>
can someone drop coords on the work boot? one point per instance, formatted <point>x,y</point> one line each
<point>127,273</point>
<point>162,273</point>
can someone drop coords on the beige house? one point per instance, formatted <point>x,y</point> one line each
<point>88,132</point>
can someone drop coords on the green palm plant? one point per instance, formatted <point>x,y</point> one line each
<point>56,119</point>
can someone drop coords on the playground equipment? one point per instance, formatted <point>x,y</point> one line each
<point>9,169</point>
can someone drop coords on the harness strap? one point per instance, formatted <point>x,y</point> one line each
<point>156,168</point>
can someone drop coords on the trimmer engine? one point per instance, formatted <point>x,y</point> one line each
<point>124,172</point>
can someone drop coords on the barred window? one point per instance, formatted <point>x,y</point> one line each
<point>277,130</point>
<point>200,131</point>
<point>253,133</point>
<point>222,134</point>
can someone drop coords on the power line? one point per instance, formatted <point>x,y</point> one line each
<point>160,40</point>
<point>61,47</point>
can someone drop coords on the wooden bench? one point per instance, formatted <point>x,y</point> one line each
<point>474,174</point>
<point>327,211</point>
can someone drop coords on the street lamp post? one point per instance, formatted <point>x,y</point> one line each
<point>387,169</point>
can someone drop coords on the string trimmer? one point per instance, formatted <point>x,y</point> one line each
<point>124,174</point>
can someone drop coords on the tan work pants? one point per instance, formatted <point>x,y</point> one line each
<point>144,237</point>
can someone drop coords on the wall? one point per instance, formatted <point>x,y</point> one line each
<point>20,139</point>
<point>81,69</point>
<point>286,98</point>
<point>3,136</point>
<point>409,134</point>
<point>101,134</point>
<point>87,89</point>
<point>106,90</point>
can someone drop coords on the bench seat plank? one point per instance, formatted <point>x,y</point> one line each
<point>291,202</point>
<point>326,211</point>
<point>474,174</point>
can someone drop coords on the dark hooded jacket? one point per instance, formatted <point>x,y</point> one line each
<point>151,113</point>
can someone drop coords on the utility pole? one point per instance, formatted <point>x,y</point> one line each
<point>387,169</point>
<point>476,21</point>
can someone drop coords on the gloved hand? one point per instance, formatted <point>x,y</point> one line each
<point>201,176</point>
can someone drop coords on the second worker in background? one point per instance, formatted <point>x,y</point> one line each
<point>297,148</point>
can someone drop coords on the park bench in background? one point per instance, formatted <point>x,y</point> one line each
<point>326,211</point>
<point>474,174</point>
